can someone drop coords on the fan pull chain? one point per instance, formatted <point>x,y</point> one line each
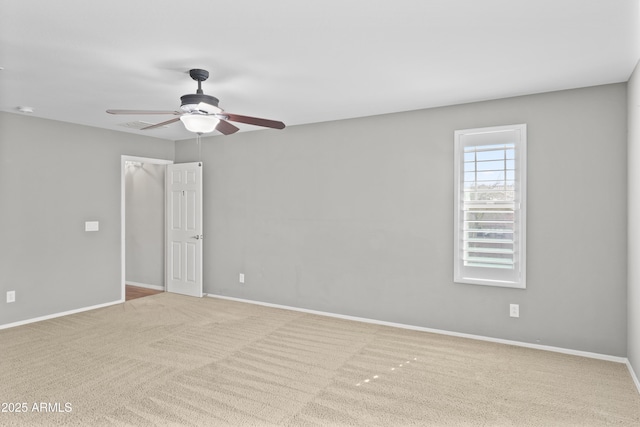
<point>199,147</point>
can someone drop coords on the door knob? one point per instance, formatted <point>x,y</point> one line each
<point>197,237</point>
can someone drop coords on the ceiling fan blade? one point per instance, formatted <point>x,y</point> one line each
<point>254,121</point>
<point>157,125</point>
<point>142,112</point>
<point>226,128</point>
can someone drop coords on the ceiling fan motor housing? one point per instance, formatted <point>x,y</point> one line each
<point>195,99</point>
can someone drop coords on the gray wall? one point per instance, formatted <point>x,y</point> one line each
<point>352,217</point>
<point>634,225</point>
<point>144,190</point>
<point>55,176</point>
<point>355,217</point>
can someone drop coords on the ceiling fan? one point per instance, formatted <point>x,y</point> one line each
<point>200,113</point>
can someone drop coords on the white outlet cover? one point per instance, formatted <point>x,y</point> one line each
<point>11,296</point>
<point>241,278</point>
<point>514,310</point>
<point>91,226</point>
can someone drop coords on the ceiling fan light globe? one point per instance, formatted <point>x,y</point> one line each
<point>199,123</point>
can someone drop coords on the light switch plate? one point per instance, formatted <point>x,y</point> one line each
<point>91,226</point>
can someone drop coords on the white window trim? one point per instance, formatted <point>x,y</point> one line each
<point>521,165</point>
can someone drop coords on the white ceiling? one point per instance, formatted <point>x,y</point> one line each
<point>302,61</point>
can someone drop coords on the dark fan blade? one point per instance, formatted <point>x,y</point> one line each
<point>142,112</point>
<point>254,121</point>
<point>168,122</point>
<point>226,128</point>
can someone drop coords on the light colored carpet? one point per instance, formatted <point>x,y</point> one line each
<point>173,360</point>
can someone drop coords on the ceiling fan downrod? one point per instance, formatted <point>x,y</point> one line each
<point>199,76</point>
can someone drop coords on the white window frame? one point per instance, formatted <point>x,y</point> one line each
<point>466,267</point>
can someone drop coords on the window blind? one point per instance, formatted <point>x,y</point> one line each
<point>488,206</point>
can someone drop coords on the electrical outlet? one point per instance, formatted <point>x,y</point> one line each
<point>241,278</point>
<point>11,296</point>
<point>514,310</point>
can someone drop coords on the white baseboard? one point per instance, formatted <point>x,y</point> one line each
<point>144,285</point>
<point>53,316</point>
<point>633,375</point>
<point>588,354</point>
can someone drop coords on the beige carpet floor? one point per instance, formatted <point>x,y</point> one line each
<point>173,360</point>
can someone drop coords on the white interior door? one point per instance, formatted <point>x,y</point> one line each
<point>184,228</point>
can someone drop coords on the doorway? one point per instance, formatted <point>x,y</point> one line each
<point>142,226</point>
<point>135,292</point>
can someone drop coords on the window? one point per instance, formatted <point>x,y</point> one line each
<point>490,194</point>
